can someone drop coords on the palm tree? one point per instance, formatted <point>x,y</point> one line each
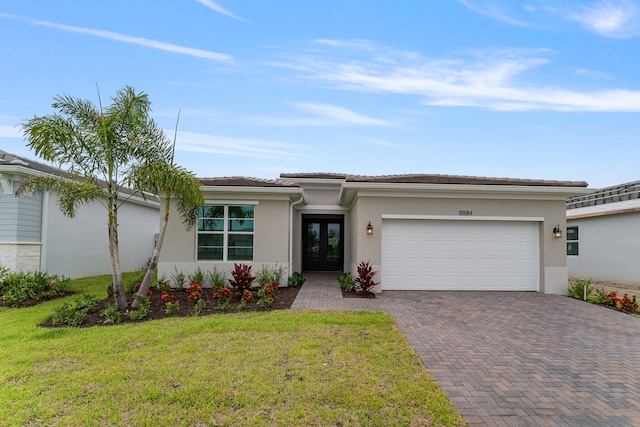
<point>105,151</point>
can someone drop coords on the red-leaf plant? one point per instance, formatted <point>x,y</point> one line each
<point>627,304</point>
<point>365,277</point>
<point>242,279</point>
<point>195,292</point>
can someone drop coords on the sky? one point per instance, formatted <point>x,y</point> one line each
<point>539,89</point>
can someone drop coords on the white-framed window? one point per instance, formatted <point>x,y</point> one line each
<point>225,233</point>
<point>572,241</point>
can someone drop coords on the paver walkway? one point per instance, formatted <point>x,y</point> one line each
<point>513,358</point>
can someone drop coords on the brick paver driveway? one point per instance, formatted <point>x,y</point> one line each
<point>514,358</point>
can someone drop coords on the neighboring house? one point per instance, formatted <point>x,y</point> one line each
<point>35,235</point>
<point>603,234</point>
<point>420,231</point>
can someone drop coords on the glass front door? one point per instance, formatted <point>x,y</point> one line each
<point>323,244</point>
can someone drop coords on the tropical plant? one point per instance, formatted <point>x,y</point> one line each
<point>365,277</point>
<point>178,187</point>
<point>143,308</point>
<point>580,289</point>
<point>346,281</point>
<point>268,274</point>
<point>215,278</point>
<point>266,295</point>
<point>16,288</point>
<point>195,292</point>
<point>242,279</point>
<point>628,304</point>
<point>110,153</point>
<point>296,279</point>
<point>110,314</point>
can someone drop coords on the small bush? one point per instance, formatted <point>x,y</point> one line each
<point>143,308</point>
<point>627,304</point>
<point>110,314</point>
<point>198,307</point>
<point>215,278</point>
<point>296,279</point>
<point>73,314</point>
<point>347,282</point>
<point>266,295</point>
<point>268,274</point>
<point>611,300</point>
<point>133,284</point>
<point>16,288</point>
<point>223,295</point>
<point>600,295</point>
<point>577,289</point>
<point>242,279</point>
<point>195,292</point>
<point>178,278</point>
<point>365,277</point>
<point>196,276</point>
<point>172,307</point>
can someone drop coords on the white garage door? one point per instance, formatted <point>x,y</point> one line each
<point>459,255</point>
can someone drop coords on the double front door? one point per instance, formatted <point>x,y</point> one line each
<point>323,244</point>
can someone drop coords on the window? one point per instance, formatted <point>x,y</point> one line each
<point>572,240</point>
<point>225,233</point>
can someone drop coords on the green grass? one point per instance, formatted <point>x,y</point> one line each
<point>290,368</point>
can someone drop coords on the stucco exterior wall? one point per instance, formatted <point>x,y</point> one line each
<point>78,247</point>
<point>608,248</point>
<point>553,267</point>
<point>271,237</point>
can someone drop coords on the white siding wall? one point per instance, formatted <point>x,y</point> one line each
<point>608,248</point>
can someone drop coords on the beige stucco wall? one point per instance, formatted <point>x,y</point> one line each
<point>271,236</point>
<point>553,264</point>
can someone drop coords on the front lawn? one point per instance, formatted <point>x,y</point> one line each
<point>293,368</point>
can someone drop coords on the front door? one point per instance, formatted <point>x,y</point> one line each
<point>323,244</point>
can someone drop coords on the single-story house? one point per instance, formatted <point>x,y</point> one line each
<point>35,235</point>
<point>432,232</point>
<point>603,234</point>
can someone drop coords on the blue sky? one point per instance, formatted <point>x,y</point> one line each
<point>533,89</point>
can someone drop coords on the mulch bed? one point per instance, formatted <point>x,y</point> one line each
<point>369,295</point>
<point>284,298</point>
<point>32,302</point>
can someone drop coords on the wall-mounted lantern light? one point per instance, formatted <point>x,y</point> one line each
<point>369,229</point>
<point>557,232</point>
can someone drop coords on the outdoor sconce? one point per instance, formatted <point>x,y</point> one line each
<point>557,233</point>
<point>369,229</point>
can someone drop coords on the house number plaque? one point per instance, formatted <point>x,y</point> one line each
<point>465,213</point>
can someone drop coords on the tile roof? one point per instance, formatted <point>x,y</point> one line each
<point>244,181</point>
<point>15,160</point>
<point>616,193</point>
<point>457,179</point>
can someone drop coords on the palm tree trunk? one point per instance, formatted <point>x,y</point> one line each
<point>114,253</point>
<point>153,265</point>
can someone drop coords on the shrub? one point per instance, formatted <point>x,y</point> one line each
<point>223,295</point>
<point>215,278</point>
<point>365,277</point>
<point>611,300</point>
<point>167,293</point>
<point>266,295</point>
<point>172,307</point>
<point>133,284</point>
<point>196,276</point>
<point>143,308</point>
<point>628,305</point>
<point>268,274</point>
<point>73,314</point>
<point>110,314</point>
<point>296,279</point>
<point>16,288</point>
<point>600,295</point>
<point>195,292</point>
<point>198,307</point>
<point>347,282</point>
<point>242,279</point>
<point>178,278</point>
<point>577,289</point>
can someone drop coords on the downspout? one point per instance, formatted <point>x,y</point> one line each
<point>291,207</point>
<point>44,231</point>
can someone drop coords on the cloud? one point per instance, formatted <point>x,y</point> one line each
<point>609,19</point>
<point>10,131</point>
<point>154,44</point>
<point>490,79</point>
<point>333,114</point>
<point>241,147</point>
<point>497,10</point>
<point>217,8</point>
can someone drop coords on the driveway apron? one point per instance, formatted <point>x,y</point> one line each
<point>513,358</point>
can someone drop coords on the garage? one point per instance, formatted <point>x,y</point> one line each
<point>469,254</point>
